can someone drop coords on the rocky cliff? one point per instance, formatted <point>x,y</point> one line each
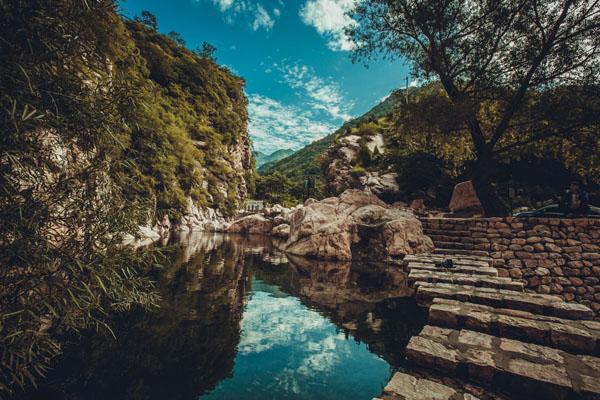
<point>189,145</point>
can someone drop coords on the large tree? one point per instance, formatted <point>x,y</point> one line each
<point>482,51</point>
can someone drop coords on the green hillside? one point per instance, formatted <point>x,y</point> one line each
<point>263,158</point>
<point>306,160</point>
<point>187,116</point>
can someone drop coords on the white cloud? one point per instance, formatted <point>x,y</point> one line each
<point>329,19</point>
<point>250,12</point>
<point>325,95</point>
<point>223,4</point>
<point>275,126</point>
<point>262,19</point>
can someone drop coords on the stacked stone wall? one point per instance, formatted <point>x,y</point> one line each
<point>551,255</point>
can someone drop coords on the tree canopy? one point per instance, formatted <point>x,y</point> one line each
<point>488,51</point>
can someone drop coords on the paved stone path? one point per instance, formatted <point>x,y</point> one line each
<point>485,329</point>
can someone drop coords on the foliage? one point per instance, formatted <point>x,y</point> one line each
<point>63,214</point>
<point>188,114</point>
<point>148,19</point>
<point>364,156</point>
<point>102,121</point>
<point>207,50</point>
<point>423,175</point>
<point>358,171</point>
<point>500,52</point>
<point>275,189</point>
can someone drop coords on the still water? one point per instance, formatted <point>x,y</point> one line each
<point>240,320</point>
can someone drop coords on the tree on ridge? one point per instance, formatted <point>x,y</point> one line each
<point>482,51</point>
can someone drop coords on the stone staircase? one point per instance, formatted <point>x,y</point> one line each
<point>485,330</point>
<point>451,237</point>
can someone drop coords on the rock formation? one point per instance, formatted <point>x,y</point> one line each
<point>334,228</point>
<point>464,199</point>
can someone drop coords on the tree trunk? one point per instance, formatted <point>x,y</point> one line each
<point>492,204</point>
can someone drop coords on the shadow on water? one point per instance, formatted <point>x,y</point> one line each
<point>241,320</point>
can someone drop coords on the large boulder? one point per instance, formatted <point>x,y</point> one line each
<point>254,223</point>
<point>281,231</point>
<point>334,228</point>
<point>464,198</point>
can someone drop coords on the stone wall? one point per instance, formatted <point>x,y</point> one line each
<point>552,255</point>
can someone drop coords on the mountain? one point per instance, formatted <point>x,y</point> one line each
<point>263,158</point>
<point>306,160</point>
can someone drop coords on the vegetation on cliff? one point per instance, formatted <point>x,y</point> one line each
<point>429,148</point>
<point>102,120</point>
<point>188,126</point>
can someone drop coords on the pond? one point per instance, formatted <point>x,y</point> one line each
<point>240,320</point>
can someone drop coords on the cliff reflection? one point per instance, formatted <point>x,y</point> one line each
<point>370,301</point>
<point>189,346</point>
<point>178,352</point>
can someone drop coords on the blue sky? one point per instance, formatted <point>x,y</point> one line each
<point>300,81</point>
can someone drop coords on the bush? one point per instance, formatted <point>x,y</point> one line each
<point>358,172</point>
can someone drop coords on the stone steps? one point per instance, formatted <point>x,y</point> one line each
<point>579,337</point>
<point>438,237</point>
<point>457,259</point>
<point>447,233</point>
<point>447,225</point>
<point>413,387</point>
<point>420,277</point>
<point>500,298</point>
<point>454,245</point>
<point>458,268</point>
<point>461,252</point>
<point>531,370</point>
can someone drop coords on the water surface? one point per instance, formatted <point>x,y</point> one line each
<point>240,320</point>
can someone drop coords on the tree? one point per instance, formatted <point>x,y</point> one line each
<point>148,19</point>
<point>177,38</point>
<point>207,51</point>
<point>483,50</point>
<point>63,265</point>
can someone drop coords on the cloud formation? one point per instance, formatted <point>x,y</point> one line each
<point>324,94</point>
<point>262,19</point>
<point>255,14</point>
<point>320,110</point>
<point>275,126</point>
<point>329,18</point>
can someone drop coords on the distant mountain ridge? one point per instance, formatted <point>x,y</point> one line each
<point>263,158</point>
<point>306,160</point>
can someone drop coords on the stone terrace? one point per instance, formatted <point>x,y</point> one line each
<point>549,255</point>
<point>485,330</point>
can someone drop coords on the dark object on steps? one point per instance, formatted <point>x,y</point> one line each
<point>446,264</point>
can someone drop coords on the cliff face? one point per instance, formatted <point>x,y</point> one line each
<point>189,126</point>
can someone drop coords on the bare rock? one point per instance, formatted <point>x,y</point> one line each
<point>255,223</point>
<point>281,231</point>
<point>464,198</point>
<point>329,229</point>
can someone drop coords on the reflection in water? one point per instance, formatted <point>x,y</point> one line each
<point>240,320</point>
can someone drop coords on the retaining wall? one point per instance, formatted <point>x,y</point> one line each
<point>552,255</point>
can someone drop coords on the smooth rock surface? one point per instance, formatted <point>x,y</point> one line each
<point>254,223</point>
<point>329,228</point>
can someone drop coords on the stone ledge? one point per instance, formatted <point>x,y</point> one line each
<point>418,277</point>
<point>458,268</point>
<point>528,369</point>
<point>500,298</point>
<point>581,337</point>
